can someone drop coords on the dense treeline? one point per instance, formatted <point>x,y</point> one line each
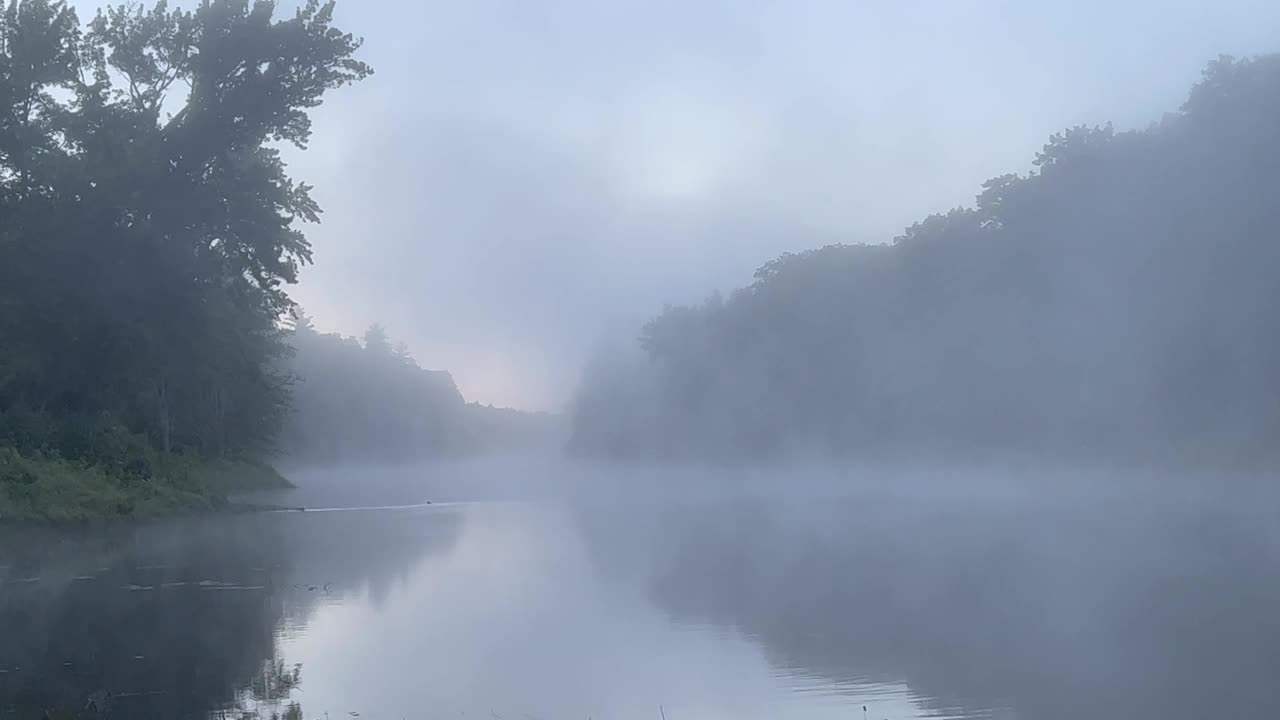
<point>1117,301</point>
<point>371,401</point>
<point>147,225</point>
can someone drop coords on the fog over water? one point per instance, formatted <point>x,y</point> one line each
<point>654,359</point>
<point>541,589</point>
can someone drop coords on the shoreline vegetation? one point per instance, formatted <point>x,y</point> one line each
<point>1112,302</point>
<point>152,360</point>
<point>47,489</point>
<point>149,230</point>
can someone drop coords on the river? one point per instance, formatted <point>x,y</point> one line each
<point>529,591</point>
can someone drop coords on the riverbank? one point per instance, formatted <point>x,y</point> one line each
<point>40,489</point>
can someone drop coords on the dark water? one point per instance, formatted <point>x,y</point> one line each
<point>563,597</point>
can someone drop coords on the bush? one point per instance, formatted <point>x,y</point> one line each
<point>14,471</point>
<point>40,488</point>
<point>25,429</point>
<point>81,467</point>
<point>43,487</point>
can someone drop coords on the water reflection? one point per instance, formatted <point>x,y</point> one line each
<point>181,619</point>
<point>516,622</point>
<point>632,605</point>
<point>1029,610</point>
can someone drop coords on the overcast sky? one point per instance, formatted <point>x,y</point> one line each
<point>523,177</point>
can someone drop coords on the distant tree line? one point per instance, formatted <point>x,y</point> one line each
<point>1118,301</point>
<point>371,401</point>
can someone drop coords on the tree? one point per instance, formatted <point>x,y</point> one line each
<point>150,226</point>
<point>300,323</point>
<point>376,340</point>
<point>403,354</point>
<point>1113,303</point>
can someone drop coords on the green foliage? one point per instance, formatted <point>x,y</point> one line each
<point>227,477</point>
<point>53,490</point>
<point>135,482</point>
<point>1115,303</point>
<point>148,227</point>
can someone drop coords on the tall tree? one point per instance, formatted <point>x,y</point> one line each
<point>376,340</point>
<point>150,226</point>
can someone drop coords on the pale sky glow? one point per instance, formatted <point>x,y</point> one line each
<point>523,177</point>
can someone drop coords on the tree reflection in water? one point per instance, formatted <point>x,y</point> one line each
<point>1107,608</point>
<point>181,619</point>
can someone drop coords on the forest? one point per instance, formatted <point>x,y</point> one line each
<point>368,400</point>
<point>1115,303</point>
<point>149,232</point>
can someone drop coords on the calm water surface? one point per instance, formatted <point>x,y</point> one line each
<point>539,603</point>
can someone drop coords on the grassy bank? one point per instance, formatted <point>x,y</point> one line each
<point>38,488</point>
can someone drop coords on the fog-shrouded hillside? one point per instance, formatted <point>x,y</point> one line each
<point>1116,302</point>
<point>369,400</point>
